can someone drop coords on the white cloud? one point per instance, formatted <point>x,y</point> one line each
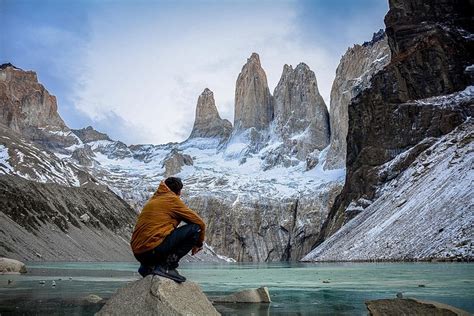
<point>148,67</point>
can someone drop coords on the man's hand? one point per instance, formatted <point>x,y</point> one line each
<point>195,250</point>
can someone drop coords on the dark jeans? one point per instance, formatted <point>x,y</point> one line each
<point>175,246</point>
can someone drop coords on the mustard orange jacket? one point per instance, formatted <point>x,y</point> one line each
<point>159,217</point>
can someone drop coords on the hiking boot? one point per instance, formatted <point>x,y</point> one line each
<point>145,270</point>
<point>166,272</point>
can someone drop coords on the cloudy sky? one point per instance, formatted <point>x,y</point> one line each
<point>134,69</point>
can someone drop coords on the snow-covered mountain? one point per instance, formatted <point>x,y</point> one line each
<point>407,194</point>
<point>424,212</point>
<point>268,173</point>
<point>269,186</point>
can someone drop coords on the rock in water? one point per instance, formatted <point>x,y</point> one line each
<point>260,295</point>
<point>154,295</point>
<point>353,75</point>
<point>208,123</point>
<point>298,105</point>
<point>253,101</point>
<point>11,266</point>
<point>92,298</point>
<point>409,306</point>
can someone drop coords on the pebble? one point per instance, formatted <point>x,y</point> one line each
<point>10,281</point>
<point>53,283</point>
<point>421,285</point>
<point>399,295</point>
<point>42,282</point>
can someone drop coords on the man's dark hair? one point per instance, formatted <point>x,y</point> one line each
<point>175,184</point>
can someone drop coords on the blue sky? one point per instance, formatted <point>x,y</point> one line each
<point>134,69</point>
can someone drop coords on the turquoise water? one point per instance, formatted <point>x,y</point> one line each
<point>295,288</point>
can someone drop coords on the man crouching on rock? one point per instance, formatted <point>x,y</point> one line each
<point>157,241</point>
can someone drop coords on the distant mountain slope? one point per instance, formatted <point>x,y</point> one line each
<point>424,213</point>
<point>44,221</point>
<point>26,159</point>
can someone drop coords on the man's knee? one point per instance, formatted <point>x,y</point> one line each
<point>193,231</point>
<point>195,228</point>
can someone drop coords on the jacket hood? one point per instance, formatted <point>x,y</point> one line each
<point>162,189</point>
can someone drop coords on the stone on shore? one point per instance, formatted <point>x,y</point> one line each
<point>410,306</point>
<point>260,295</point>
<point>154,295</point>
<point>11,266</point>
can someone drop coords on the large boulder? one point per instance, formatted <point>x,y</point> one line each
<point>11,266</point>
<point>154,295</point>
<point>409,306</point>
<point>260,295</point>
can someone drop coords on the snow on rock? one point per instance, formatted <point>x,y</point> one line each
<point>426,212</point>
<point>5,166</point>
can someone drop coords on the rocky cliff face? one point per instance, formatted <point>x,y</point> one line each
<point>353,75</point>
<point>423,213</point>
<point>431,46</point>
<point>208,123</point>
<point>257,227</point>
<point>253,101</point>
<point>28,108</point>
<point>89,134</point>
<point>299,107</point>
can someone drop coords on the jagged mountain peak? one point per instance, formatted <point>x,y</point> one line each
<point>89,134</point>
<point>254,58</point>
<point>253,101</point>
<point>207,91</point>
<point>302,66</point>
<point>208,122</point>
<point>9,65</point>
<point>300,110</point>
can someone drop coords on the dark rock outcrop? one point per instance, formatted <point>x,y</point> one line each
<point>253,101</point>
<point>89,134</point>
<point>83,156</point>
<point>431,46</point>
<point>208,123</point>
<point>175,161</point>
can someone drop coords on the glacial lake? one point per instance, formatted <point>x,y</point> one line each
<point>295,288</point>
